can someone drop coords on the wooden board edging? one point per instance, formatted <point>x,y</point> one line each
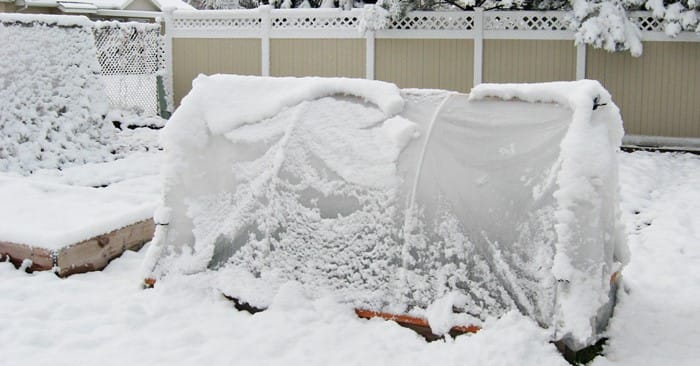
<point>93,254</point>
<point>42,259</point>
<point>419,325</point>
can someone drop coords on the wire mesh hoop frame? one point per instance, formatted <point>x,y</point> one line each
<point>132,57</point>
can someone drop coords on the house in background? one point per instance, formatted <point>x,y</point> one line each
<point>97,9</point>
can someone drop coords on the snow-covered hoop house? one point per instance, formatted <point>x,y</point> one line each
<point>418,202</point>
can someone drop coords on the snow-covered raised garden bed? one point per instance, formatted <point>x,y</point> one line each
<point>58,151</point>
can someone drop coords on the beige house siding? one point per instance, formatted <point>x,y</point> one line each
<point>528,61</point>
<point>317,57</point>
<point>657,92</point>
<point>426,63</point>
<point>7,7</point>
<point>11,8</point>
<point>194,56</point>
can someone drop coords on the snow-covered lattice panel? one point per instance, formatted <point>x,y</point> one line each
<point>647,22</point>
<point>530,21</point>
<point>238,23</point>
<point>131,56</point>
<point>435,21</point>
<point>52,99</point>
<point>315,22</point>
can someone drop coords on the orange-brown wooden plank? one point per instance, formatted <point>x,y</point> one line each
<point>412,321</point>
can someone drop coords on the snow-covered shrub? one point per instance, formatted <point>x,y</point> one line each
<point>605,25</point>
<point>51,96</point>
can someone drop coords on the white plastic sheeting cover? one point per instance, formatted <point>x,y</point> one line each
<point>398,200</point>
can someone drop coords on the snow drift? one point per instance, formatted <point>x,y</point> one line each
<point>406,201</point>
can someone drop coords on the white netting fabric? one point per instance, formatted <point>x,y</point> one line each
<point>132,56</point>
<point>497,201</point>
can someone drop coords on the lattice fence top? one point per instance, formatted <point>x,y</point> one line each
<point>350,21</point>
<point>435,21</point>
<point>341,22</point>
<point>132,56</point>
<point>647,22</point>
<point>525,21</point>
<point>231,23</point>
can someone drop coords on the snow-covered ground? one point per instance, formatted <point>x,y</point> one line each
<point>106,318</point>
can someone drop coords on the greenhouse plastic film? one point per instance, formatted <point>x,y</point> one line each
<point>394,199</point>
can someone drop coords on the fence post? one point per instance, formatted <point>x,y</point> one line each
<point>369,55</point>
<point>478,45</point>
<point>168,14</point>
<point>265,40</point>
<point>581,61</point>
<point>369,47</point>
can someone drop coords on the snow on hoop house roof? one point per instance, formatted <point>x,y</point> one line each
<point>401,201</point>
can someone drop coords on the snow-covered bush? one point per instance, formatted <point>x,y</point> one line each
<point>605,25</point>
<point>51,96</point>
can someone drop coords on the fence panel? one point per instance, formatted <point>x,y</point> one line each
<point>658,92</point>
<point>528,61</point>
<point>132,57</point>
<point>426,63</point>
<point>317,57</point>
<point>194,56</point>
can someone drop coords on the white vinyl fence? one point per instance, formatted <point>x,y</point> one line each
<point>444,50</point>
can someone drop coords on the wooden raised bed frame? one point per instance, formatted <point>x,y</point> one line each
<point>89,255</point>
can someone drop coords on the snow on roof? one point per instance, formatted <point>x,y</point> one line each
<point>50,19</point>
<point>72,7</point>
<point>178,4</point>
<point>46,3</point>
<point>123,4</point>
<point>105,4</point>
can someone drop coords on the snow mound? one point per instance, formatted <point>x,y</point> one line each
<point>401,201</point>
<point>52,109</point>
